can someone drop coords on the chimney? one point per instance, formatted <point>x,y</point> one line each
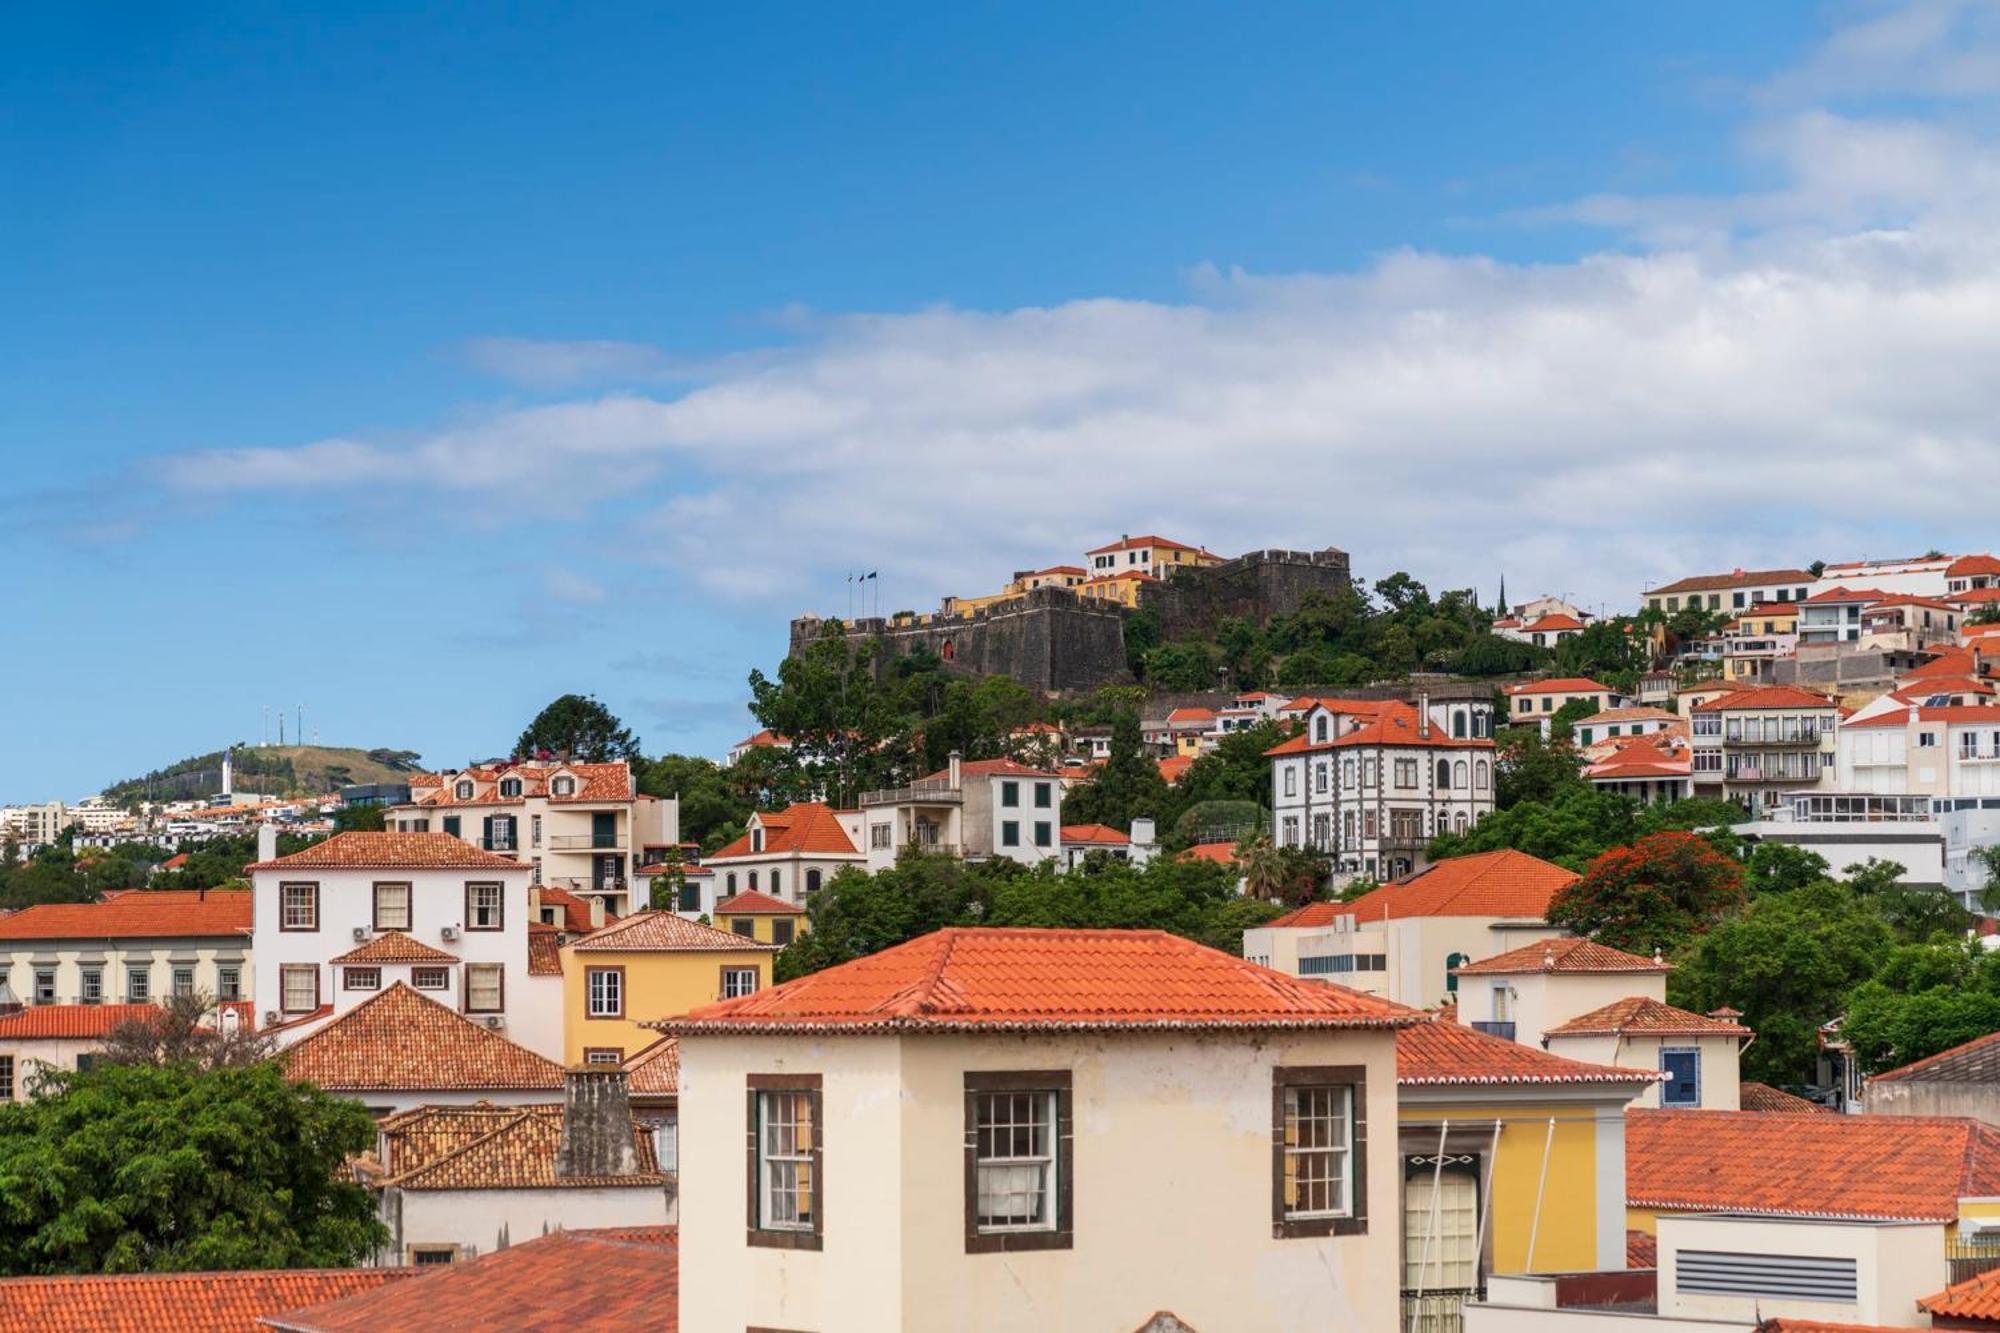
<point>952,765</point>
<point>267,841</point>
<point>597,1125</point>
<point>1424,715</point>
<point>1142,833</point>
<point>596,902</point>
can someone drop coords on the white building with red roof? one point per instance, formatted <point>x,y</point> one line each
<point>348,918</point>
<point>1536,702</point>
<point>1156,557</point>
<point>789,854</point>
<point>582,827</point>
<point>1404,940</point>
<point>1737,590</point>
<point>1103,1129</point>
<point>1371,783</point>
<point>134,947</point>
<point>1757,746</point>
<point>976,809</point>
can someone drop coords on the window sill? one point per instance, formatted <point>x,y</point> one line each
<point>783,1240</point>
<point>1297,1227</point>
<point>1011,1242</point>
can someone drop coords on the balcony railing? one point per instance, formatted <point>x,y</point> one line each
<point>917,793</point>
<point>587,842</point>
<point>1441,1311</point>
<point>501,843</point>
<point>1789,736</point>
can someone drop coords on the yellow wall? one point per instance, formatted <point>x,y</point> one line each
<point>761,923</point>
<point>1567,1238</point>
<point>658,984</point>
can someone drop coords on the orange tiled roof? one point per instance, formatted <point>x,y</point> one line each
<point>622,1277</point>
<point>1967,565</point>
<point>393,946</point>
<point>1734,579</point>
<point>1561,685</point>
<point>1860,1166</point>
<point>1505,883</point>
<point>655,931</point>
<point>392,851</point>
<point>1571,955</point>
<point>1637,1013</point>
<point>808,827</point>
<point>1174,767</point>
<point>1641,1250</point>
<point>1554,621</point>
<point>1978,1297</point>
<point>656,1070</point>
<point>1007,979</point>
<point>518,1151</point>
<point>1395,724</point>
<point>1840,593</point>
<point>1222,853</point>
<point>1764,1097</point>
<point>1442,1052</point>
<point>426,1133</point>
<point>575,911</point>
<point>1191,715</point>
<point>1095,835</point>
<point>1764,696</point>
<point>56,1021</point>
<point>139,914</point>
<point>594,783</point>
<point>401,1040</point>
<point>1136,543</point>
<point>1976,714</point>
<point>752,903</point>
<point>544,950</point>
<point>992,768</point>
<point>177,1302</point>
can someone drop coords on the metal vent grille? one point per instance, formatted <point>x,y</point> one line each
<point>1806,1277</point>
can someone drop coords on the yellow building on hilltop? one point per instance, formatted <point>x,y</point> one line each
<point>645,967</point>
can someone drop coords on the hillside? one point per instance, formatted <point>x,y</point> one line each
<point>275,770</point>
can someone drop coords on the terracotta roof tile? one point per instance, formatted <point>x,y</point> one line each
<point>1764,696</point>
<point>992,768</point>
<point>1096,835</point>
<point>1222,853</point>
<point>1764,1097</point>
<point>1006,979</point>
<point>1449,1053</point>
<point>1841,594</point>
<point>139,914</point>
<point>809,827</point>
<point>393,946</point>
<point>1506,883</point>
<point>575,911</point>
<point>70,1020</point>
<point>656,1070</point>
<point>1561,685</point>
<point>1968,565</point>
<point>1637,1013</point>
<point>1191,715</point>
<point>392,851</point>
<point>752,903</point>
<point>1569,955</point>
<point>404,1041</point>
<point>1137,543</point>
<point>1175,766</point>
<point>1858,1166</point>
<point>618,1278</point>
<point>1734,579</point>
<point>517,1151</point>
<point>424,1134</point>
<point>1396,724</point>
<point>1641,1250</point>
<point>1978,1297</point>
<point>176,1302</point>
<point>663,932</point>
<point>1553,622</point>
<point>544,950</point>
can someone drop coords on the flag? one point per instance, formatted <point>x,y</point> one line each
<point>871,573</point>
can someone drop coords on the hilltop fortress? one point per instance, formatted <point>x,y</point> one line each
<point>1061,630</point>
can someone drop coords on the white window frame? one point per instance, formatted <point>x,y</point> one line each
<point>604,992</point>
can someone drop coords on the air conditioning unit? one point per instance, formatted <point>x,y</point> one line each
<point>448,933</point>
<point>495,1022</point>
<point>270,1017</point>
<point>360,934</point>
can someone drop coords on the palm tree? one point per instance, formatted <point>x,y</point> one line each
<point>1263,868</point>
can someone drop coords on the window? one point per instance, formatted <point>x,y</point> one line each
<point>138,984</point>
<point>183,981</point>
<point>878,835</point>
<point>465,791</point>
<point>1320,777</point>
<point>535,871</point>
<point>392,907</point>
<point>729,883</point>
<point>1444,774</point>
<point>1503,1007</point>
<point>92,985</point>
<point>424,1256</point>
<point>777,880</point>
<point>298,988</point>
<point>690,897</point>
<point>1682,1066</point>
<point>1289,835</point>
<point>604,991</point>
<point>228,983</point>
<point>753,881</point>
<point>667,1143</point>
<point>430,978</point>
<point>1017,1161</point>
<point>781,931</point>
<point>45,985</point>
<point>1927,740</point>
<point>563,786</point>
<point>1319,729</point>
<point>1317,1187</point>
<point>1440,1222</point>
<point>1010,833</point>
<point>1458,775</point>
<point>1480,776</point>
<point>483,907</point>
<point>1291,780</point>
<point>603,1055</point>
<point>738,981</point>
<point>361,978</point>
<point>1045,833</point>
<point>812,882</point>
<point>787,1185</point>
<point>298,907</point>
<point>1406,773</point>
<point>1010,794</point>
<point>756,839</point>
<point>510,787</point>
<point>1044,795</point>
<point>534,830</point>
<point>6,1078</point>
<point>485,988</point>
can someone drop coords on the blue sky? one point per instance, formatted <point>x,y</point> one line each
<point>420,366</point>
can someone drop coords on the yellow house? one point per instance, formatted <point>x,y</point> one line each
<point>645,967</point>
<point>1512,1161</point>
<point>760,917</point>
<point>1120,588</point>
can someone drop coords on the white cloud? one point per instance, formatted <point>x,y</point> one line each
<point>1799,371</point>
<point>572,589</point>
<point>544,364</point>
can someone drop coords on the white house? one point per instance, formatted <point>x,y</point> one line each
<point>1538,701</point>
<point>134,947</point>
<point>1737,590</point>
<point>341,921</point>
<point>789,854</point>
<point>977,809</point>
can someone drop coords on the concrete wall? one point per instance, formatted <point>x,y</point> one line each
<point>1894,1266</point>
<point>482,1221</point>
<point>1172,1184</point>
<point>1981,1101</point>
<point>1721,1057</point>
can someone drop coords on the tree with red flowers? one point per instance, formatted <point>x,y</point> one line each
<point>1654,894</point>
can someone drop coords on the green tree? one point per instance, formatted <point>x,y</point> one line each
<point>1530,768</point>
<point>710,802</point>
<point>580,727</point>
<point>133,1168</point>
<point>1887,1028</point>
<point>1562,726</point>
<point>359,819</point>
<point>1656,894</point>
<point>1128,787</point>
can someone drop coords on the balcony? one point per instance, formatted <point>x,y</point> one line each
<point>587,842</point>
<point>505,843</point>
<point>1809,737</point>
<point>917,793</point>
<point>1403,842</point>
<point>591,884</point>
<point>1494,1028</point>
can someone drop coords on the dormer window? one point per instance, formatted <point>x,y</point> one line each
<point>756,840</point>
<point>510,786</point>
<point>563,786</point>
<point>464,791</point>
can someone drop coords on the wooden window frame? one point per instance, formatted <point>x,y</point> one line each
<point>375,904</point>
<point>423,968</point>
<point>589,972</point>
<point>312,884</point>
<point>313,968</point>
<point>617,1054</point>
<point>347,975</point>
<point>1047,1081</point>
<point>499,906</point>
<point>757,1234</point>
<point>465,990</point>
<point>1355,1079</point>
